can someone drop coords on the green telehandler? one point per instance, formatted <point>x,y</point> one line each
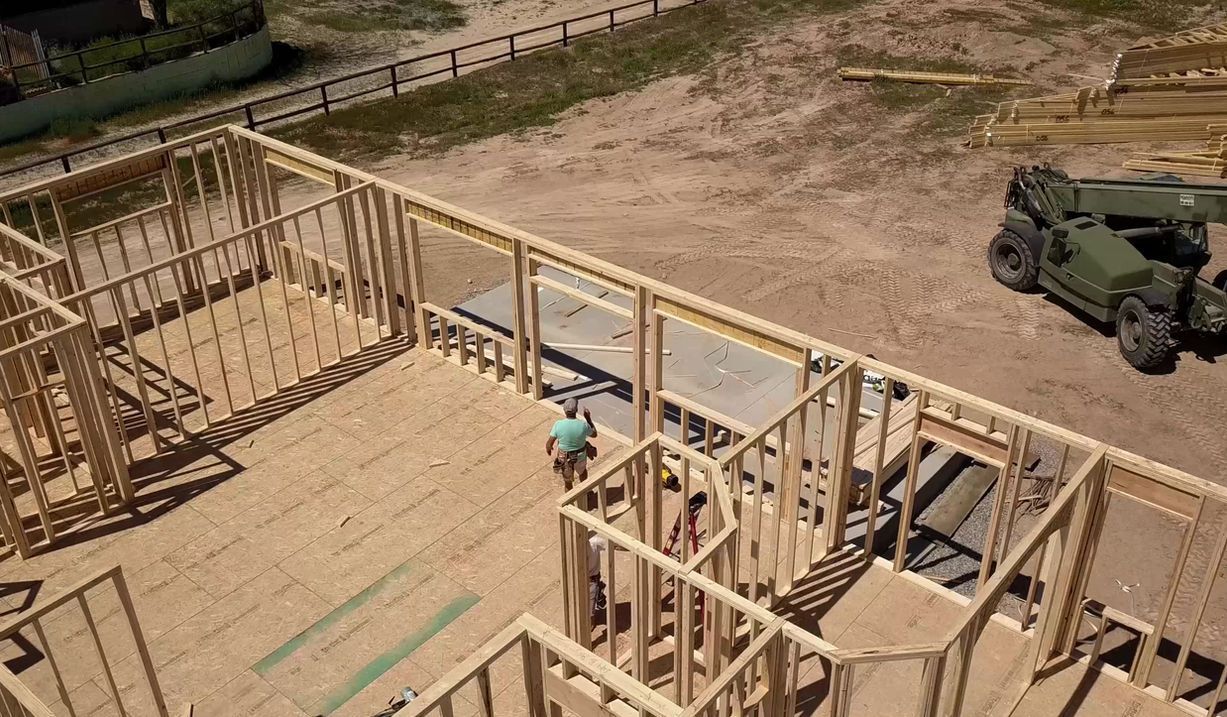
<point>1123,251</point>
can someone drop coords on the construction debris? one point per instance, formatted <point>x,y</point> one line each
<point>1171,89</point>
<point>932,78</point>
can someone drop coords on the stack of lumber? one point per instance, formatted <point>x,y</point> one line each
<point>1188,53</point>
<point>1210,162</point>
<point>1171,89</point>
<point>866,74</point>
<point>1201,164</point>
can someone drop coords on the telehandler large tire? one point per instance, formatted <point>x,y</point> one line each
<point>1011,261</point>
<point>1143,333</point>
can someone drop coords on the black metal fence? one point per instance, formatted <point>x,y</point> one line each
<point>93,63</point>
<point>392,77</point>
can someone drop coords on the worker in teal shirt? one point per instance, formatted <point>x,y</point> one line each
<point>571,435</point>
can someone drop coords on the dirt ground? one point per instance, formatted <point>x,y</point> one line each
<point>772,187</point>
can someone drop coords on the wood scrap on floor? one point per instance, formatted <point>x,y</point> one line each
<point>957,502</point>
<point>867,74</point>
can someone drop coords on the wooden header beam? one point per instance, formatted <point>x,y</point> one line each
<point>761,340</point>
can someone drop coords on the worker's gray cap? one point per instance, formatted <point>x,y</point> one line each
<point>570,406</point>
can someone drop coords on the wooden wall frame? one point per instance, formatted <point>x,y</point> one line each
<point>375,281</point>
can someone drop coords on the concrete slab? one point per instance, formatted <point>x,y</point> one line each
<point>732,379</point>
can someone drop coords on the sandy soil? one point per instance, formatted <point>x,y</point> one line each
<point>774,188</point>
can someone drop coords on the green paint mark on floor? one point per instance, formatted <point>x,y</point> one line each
<point>382,662</point>
<point>326,623</point>
<point>395,654</point>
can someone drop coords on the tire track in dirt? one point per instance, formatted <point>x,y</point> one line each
<point>893,307</point>
<point>806,274</point>
<point>1029,317</point>
<point>1175,395</point>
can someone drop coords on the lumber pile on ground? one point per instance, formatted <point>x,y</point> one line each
<point>1171,89</point>
<point>1202,49</point>
<point>1210,162</point>
<point>1200,164</point>
<point>865,74</point>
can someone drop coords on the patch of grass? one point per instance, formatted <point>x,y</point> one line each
<point>376,15</point>
<point>1166,15</point>
<point>398,15</point>
<point>63,131</point>
<point>74,129</point>
<point>286,60</point>
<point>535,89</point>
<point>187,12</point>
<point>108,204</point>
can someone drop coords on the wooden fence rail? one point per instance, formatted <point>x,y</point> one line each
<point>326,95</point>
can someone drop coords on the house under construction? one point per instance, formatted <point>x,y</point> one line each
<point>260,459</point>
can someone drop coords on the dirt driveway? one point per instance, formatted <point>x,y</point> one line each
<point>772,187</point>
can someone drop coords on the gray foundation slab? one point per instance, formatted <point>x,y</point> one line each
<point>735,380</point>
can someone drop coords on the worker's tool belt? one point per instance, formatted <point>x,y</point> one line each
<point>566,459</point>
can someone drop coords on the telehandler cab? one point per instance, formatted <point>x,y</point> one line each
<point>1123,251</point>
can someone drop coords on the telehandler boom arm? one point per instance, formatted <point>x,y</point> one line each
<point>1144,199</point>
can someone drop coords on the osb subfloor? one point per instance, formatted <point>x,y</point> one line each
<point>364,541</point>
<point>369,528</point>
<point>854,605</point>
<point>1076,690</point>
